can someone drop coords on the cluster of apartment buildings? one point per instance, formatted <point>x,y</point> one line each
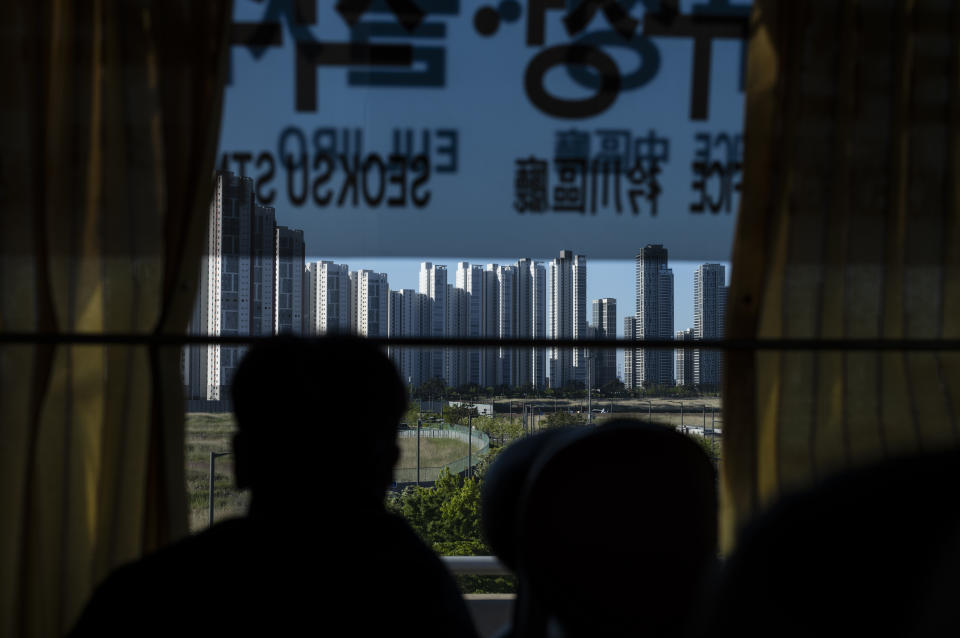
<point>654,320</point>
<point>474,301</point>
<point>256,281</point>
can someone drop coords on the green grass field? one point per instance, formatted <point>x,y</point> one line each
<point>433,452</point>
<point>208,433</point>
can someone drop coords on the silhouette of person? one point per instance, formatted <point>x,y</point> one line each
<point>872,551</point>
<point>316,445</point>
<point>615,531</point>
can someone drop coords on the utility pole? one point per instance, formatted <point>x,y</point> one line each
<point>419,422</point>
<point>682,429</point>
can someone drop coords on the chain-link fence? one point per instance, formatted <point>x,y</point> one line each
<point>406,472</point>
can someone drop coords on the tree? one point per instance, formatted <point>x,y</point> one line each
<point>564,419</point>
<point>612,388</point>
<point>432,388</point>
<point>711,445</point>
<point>458,414</point>
<point>447,518</point>
<point>411,415</point>
<point>498,428</point>
<point>480,469</point>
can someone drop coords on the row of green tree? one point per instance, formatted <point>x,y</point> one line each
<point>436,388</point>
<point>501,430</point>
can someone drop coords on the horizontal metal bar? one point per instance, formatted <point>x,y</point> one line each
<point>151,339</point>
<point>479,565</point>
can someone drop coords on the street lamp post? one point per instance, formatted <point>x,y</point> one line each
<point>713,435</point>
<point>589,383</point>
<point>213,459</point>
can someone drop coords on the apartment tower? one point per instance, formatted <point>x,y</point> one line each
<point>709,308</point>
<point>654,281</point>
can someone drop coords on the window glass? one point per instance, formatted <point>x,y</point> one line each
<point>504,170</point>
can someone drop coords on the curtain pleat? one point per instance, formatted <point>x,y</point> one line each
<point>848,229</point>
<point>109,128</point>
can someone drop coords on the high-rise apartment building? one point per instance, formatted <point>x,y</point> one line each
<point>288,281</point>
<point>538,356</point>
<point>568,316</point>
<point>506,280</point>
<point>654,318</point>
<point>354,291</point>
<point>709,308</point>
<point>580,318</point>
<point>605,322</point>
<point>630,354</point>
<point>530,322</point>
<point>684,358</point>
<point>328,298</point>
<point>561,318</point>
<point>456,360</point>
<point>247,288</point>
<point>470,280</point>
<point>490,356</point>
<point>261,267</point>
<point>373,295</point>
<point>405,319</point>
<point>433,283</point>
<point>591,359</point>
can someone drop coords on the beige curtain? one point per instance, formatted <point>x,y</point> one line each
<point>848,229</point>
<point>109,126</point>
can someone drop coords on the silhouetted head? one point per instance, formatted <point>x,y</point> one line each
<point>503,486</point>
<point>314,414</point>
<point>871,551</point>
<point>618,530</point>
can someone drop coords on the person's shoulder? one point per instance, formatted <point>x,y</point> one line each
<point>398,552</point>
<point>393,532</point>
<point>137,589</point>
<point>197,551</point>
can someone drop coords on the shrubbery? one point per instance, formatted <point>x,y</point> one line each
<point>447,517</point>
